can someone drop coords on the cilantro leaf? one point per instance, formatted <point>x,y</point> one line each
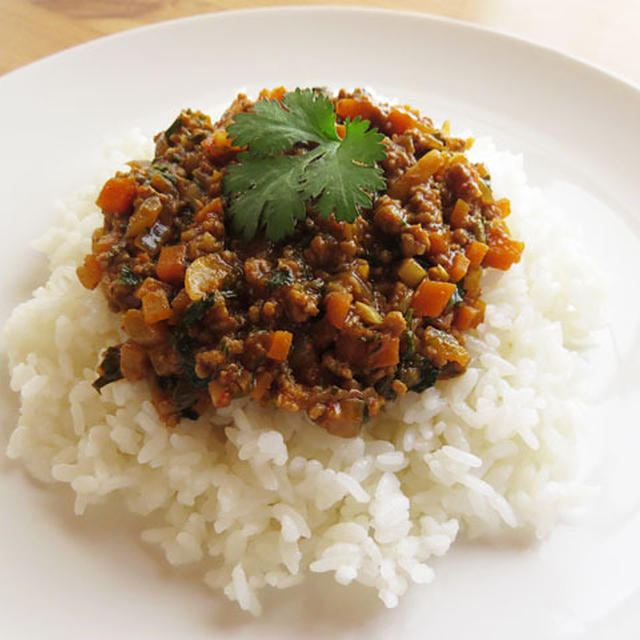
<point>269,188</point>
<point>268,194</point>
<point>270,129</point>
<point>341,172</point>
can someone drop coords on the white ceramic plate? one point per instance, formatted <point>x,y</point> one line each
<point>579,130</point>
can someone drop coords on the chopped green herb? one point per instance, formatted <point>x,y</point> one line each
<point>197,310</point>
<point>478,229</point>
<point>128,277</point>
<point>185,347</point>
<point>183,394</point>
<point>280,278</point>
<point>164,172</point>
<point>224,347</point>
<point>269,190</point>
<point>457,297</point>
<point>385,389</point>
<point>428,376</point>
<point>173,127</point>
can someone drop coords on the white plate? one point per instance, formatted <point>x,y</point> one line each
<point>579,130</point>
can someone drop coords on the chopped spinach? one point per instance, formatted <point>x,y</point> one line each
<point>385,389</point>
<point>128,277</point>
<point>164,172</point>
<point>197,311</point>
<point>280,278</point>
<point>428,376</point>
<point>109,369</point>
<point>457,297</point>
<point>410,338</point>
<point>175,126</point>
<point>182,393</point>
<point>185,346</point>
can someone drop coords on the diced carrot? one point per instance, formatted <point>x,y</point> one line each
<point>155,307</point>
<point>459,214</point>
<point>438,241</point>
<point>401,120</point>
<point>117,195</point>
<point>280,345</point>
<point>272,94</point>
<point>341,130</point>
<point>417,173</point>
<point>338,304</point>
<point>218,144</point>
<point>431,298</point>
<point>90,272</point>
<point>213,206</point>
<point>465,316</point>
<point>385,354</point>
<point>133,361</point>
<point>352,108</point>
<point>503,250</point>
<point>459,267</point>
<point>172,264</point>
<point>504,206</point>
<point>476,252</point>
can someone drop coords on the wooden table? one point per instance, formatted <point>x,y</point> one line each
<point>606,33</point>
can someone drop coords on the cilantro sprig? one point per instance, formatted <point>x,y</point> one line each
<point>296,157</point>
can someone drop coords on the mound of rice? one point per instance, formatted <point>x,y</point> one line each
<point>258,497</point>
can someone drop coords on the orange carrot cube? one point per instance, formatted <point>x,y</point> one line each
<point>431,298</point>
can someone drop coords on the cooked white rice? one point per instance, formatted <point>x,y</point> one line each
<point>259,497</point>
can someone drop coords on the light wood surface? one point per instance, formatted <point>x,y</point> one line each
<point>604,32</point>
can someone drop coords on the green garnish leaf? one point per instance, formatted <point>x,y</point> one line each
<point>267,193</point>
<point>270,191</point>
<point>269,129</point>
<point>343,175</point>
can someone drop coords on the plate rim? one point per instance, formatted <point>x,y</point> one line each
<point>60,57</point>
